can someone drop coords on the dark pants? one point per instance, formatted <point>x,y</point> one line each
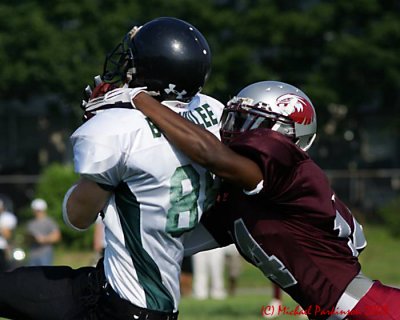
<point>62,293</point>
<point>44,293</point>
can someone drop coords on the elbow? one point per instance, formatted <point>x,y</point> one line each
<point>77,223</point>
<point>74,219</point>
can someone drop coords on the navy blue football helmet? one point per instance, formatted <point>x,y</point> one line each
<point>167,55</point>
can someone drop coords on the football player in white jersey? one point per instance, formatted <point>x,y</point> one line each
<point>149,192</point>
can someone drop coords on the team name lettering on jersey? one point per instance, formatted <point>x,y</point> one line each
<point>201,115</point>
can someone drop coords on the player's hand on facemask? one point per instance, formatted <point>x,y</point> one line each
<point>116,98</point>
<point>107,96</point>
<point>99,89</point>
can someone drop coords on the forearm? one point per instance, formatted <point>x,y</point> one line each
<point>50,238</point>
<point>199,144</point>
<point>54,237</point>
<point>193,140</point>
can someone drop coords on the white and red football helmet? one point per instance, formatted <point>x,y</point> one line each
<point>271,104</point>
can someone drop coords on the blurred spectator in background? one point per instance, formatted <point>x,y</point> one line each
<point>233,267</point>
<point>8,222</point>
<point>277,304</point>
<point>99,239</point>
<point>208,274</point>
<point>186,276</point>
<point>43,233</point>
<point>276,301</point>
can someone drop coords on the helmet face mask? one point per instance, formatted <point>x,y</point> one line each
<point>274,105</point>
<point>239,117</point>
<point>167,55</point>
<point>117,63</point>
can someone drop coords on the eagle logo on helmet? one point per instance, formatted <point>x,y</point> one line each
<point>296,108</point>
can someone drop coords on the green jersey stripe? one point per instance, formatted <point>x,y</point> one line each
<point>157,295</point>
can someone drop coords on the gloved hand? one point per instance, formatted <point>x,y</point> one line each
<point>116,98</point>
<point>100,88</point>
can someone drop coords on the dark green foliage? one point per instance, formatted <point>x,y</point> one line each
<point>54,182</point>
<point>390,215</point>
<point>341,53</point>
<point>332,49</point>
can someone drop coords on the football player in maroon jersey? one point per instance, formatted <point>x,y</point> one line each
<point>277,205</point>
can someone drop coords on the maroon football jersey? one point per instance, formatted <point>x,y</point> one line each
<point>296,230</point>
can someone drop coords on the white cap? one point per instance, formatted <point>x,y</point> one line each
<point>39,205</point>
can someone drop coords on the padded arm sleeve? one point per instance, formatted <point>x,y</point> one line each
<point>65,211</point>
<point>199,240</point>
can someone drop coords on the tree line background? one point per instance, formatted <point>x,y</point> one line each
<point>344,54</point>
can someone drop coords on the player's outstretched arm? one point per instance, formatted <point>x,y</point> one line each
<point>199,144</point>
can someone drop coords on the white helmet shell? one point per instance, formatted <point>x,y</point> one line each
<point>281,100</point>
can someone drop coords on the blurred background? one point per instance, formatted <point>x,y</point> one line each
<point>344,54</point>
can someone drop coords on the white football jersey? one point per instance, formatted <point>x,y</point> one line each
<point>159,194</point>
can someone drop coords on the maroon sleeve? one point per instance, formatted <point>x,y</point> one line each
<point>276,154</point>
<point>296,230</point>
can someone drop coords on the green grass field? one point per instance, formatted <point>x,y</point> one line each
<point>380,260</point>
<point>243,307</point>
